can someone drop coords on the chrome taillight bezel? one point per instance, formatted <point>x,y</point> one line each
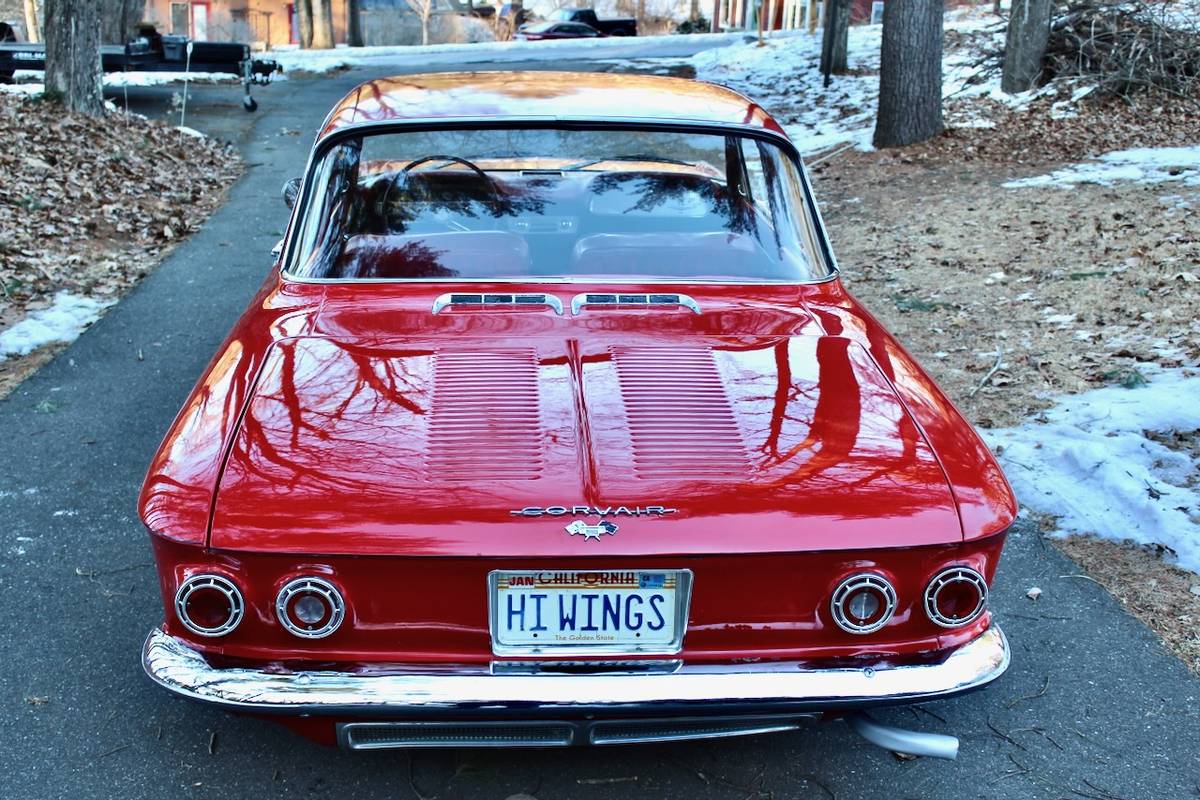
<point>326,591</point>
<point>214,582</point>
<point>863,580</point>
<point>952,575</point>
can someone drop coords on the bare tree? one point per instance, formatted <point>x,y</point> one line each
<point>118,19</point>
<point>1025,46</point>
<point>322,24</point>
<point>423,9</point>
<point>73,55</point>
<point>33,26</point>
<point>304,17</point>
<point>354,36</point>
<point>910,73</point>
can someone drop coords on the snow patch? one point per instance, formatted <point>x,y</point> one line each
<point>784,70</point>
<point>1143,165</point>
<point>60,323</point>
<point>1090,462</point>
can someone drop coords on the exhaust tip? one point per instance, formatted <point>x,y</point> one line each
<point>905,742</point>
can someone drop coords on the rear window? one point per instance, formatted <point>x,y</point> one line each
<point>547,204</point>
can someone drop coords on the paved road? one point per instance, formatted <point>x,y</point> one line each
<point>1093,707</point>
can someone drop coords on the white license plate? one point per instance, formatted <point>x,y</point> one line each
<point>599,611</point>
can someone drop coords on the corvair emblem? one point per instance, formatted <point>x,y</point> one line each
<point>581,528</point>
<point>593,511</point>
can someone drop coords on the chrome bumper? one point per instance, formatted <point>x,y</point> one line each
<point>742,688</point>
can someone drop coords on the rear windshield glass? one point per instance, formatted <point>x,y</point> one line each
<point>547,204</point>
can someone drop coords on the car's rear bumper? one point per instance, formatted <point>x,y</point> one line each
<point>737,689</point>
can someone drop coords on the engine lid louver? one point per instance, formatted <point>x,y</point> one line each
<point>680,420</point>
<point>485,418</point>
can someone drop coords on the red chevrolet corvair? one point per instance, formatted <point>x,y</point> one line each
<point>553,425</point>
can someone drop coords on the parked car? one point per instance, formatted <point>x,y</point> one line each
<point>562,428</point>
<point>621,26</point>
<point>556,30</point>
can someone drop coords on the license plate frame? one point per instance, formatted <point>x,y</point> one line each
<point>683,601</point>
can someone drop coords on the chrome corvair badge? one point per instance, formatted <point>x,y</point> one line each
<point>581,528</point>
<point>593,511</point>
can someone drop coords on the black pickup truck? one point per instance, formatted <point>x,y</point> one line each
<point>153,52</point>
<point>621,26</point>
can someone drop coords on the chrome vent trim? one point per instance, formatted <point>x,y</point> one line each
<point>485,418</point>
<point>681,730</point>
<point>510,300</point>
<point>681,423</point>
<point>397,735</point>
<point>656,299</point>
<point>557,733</point>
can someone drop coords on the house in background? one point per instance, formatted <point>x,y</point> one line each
<point>262,23</point>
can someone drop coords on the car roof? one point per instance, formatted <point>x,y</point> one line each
<point>576,96</point>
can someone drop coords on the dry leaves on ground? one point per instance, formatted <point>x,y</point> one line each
<point>90,205</point>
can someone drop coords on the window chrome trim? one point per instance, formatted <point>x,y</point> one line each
<point>326,142</point>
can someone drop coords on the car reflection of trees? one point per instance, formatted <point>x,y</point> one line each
<point>828,445</point>
<point>332,420</point>
<point>392,203</point>
<point>651,191</point>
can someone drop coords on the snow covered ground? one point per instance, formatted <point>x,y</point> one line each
<point>1096,461</point>
<point>1144,165</point>
<point>62,322</point>
<point>787,69</point>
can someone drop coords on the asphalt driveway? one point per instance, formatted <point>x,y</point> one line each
<point>1092,708</point>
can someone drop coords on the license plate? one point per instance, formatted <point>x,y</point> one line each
<point>598,611</point>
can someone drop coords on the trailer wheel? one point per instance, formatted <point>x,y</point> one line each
<point>249,103</point>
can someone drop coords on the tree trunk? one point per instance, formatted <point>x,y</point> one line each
<point>426,9</point>
<point>118,19</point>
<point>354,36</point>
<point>836,37</point>
<point>304,16</point>
<point>322,24</point>
<point>73,55</point>
<point>1025,48</point>
<point>910,73</point>
<point>33,27</point>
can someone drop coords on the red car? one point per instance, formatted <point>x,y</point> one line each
<point>556,30</point>
<point>554,424</point>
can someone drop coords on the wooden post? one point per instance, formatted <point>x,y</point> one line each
<point>33,29</point>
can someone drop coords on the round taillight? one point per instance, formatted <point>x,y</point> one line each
<point>209,605</point>
<point>955,597</point>
<point>863,603</point>
<point>311,608</point>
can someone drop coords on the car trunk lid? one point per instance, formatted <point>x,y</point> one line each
<point>496,446</point>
